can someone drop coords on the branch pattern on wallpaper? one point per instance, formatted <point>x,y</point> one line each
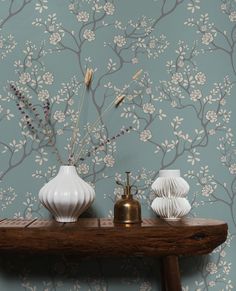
<point>177,114</point>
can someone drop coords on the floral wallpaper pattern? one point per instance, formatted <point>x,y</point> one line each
<point>181,111</point>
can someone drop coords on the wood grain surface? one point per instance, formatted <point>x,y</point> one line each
<point>100,237</point>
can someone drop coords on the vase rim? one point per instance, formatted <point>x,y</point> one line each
<point>68,170</point>
<point>169,173</point>
<point>67,166</point>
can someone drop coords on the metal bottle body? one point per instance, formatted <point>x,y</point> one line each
<point>127,210</point>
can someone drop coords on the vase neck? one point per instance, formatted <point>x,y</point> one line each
<point>68,170</point>
<point>169,173</point>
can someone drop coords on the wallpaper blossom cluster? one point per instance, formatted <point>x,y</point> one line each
<point>181,111</point>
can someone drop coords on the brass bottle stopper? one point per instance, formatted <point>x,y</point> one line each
<point>127,210</point>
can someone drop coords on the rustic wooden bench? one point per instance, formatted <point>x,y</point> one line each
<point>100,237</point>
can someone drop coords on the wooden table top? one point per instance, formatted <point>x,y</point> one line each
<point>100,237</point>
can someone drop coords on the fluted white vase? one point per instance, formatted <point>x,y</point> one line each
<point>67,196</point>
<point>171,190</point>
<point>171,208</point>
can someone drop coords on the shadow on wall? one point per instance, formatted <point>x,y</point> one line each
<point>94,273</point>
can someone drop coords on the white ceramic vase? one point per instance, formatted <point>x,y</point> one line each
<point>171,190</point>
<point>67,196</point>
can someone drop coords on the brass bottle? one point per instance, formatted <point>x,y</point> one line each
<point>127,210</point>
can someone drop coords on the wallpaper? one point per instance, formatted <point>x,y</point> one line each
<point>181,110</point>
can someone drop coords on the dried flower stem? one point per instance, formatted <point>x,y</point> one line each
<point>75,130</point>
<point>137,74</point>
<point>119,100</point>
<point>55,150</point>
<point>88,77</point>
<point>28,106</point>
<point>87,82</point>
<point>48,127</point>
<point>109,107</point>
<point>108,140</point>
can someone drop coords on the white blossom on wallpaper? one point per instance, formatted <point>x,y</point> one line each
<point>180,110</point>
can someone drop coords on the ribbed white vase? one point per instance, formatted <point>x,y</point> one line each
<point>67,196</point>
<point>171,190</point>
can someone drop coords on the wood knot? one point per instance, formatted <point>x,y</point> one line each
<point>199,236</point>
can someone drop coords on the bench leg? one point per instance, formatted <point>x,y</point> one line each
<point>170,274</point>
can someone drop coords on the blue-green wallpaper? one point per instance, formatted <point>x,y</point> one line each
<point>182,110</point>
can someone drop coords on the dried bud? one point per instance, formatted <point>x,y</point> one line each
<point>119,100</point>
<point>137,74</point>
<point>88,77</point>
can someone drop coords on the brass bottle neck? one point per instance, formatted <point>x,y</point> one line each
<point>127,192</point>
<point>127,189</point>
